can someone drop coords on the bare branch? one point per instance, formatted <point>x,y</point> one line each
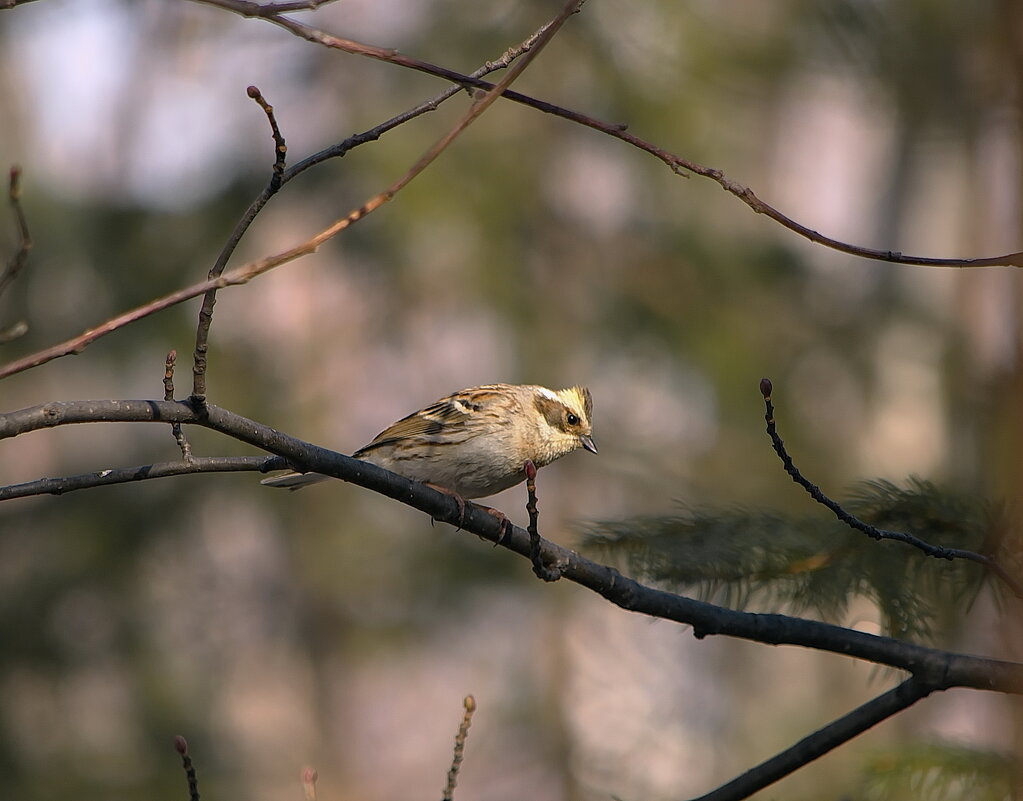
<point>309,777</point>
<point>19,258</point>
<point>181,746</point>
<point>678,164</point>
<point>246,272</point>
<point>459,752</point>
<point>537,40</point>
<point>168,395</point>
<point>938,669</point>
<point>854,522</point>
<point>820,742</point>
<point>124,475</point>
<point>250,8</point>
<point>340,149</point>
<point>79,343</point>
<point>202,333</point>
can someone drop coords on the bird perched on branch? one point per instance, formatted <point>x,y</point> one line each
<point>477,442</point>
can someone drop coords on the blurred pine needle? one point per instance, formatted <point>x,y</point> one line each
<point>747,559</point>
<point>936,772</point>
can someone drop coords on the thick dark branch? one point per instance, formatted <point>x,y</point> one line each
<point>820,742</point>
<point>939,669</point>
<point>854,522</point>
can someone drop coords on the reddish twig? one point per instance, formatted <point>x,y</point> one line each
<point>281,176</point>
<point>246,272</point>
<point>309,777</point>
<point>854,522</point>
<point>677,163</point>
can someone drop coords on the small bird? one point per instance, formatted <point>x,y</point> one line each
<point>476,442</point>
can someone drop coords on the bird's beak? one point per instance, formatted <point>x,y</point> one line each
<point>588,443</point>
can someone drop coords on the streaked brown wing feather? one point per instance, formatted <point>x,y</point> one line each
<point>448,415</point>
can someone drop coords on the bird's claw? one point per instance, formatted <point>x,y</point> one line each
<point>458,500</point>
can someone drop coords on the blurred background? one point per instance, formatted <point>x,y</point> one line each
<point>337,629</point>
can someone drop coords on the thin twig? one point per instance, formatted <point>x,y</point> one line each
<point>820,742</point>
<point>124,475</point>
<point>168,394</point>
<point>281,176</point>
<point>250,8</point>
<point>815,492</point>
<point>246,272</point>
<point>459,752</point>
<point>341,148</point>
<point>277,181</point>
<point>181,746</point>
<point>19,258</point>
<point>202,333</point>
<point>309,777</point>
<point>676,163</point>
<point>280,145</point>
<point>79,343</point>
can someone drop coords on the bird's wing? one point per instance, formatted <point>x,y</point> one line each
<point>448,417</point>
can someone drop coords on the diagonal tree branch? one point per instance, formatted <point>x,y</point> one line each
<point>938,669</point>
<point>246,272</point>
<point>677,163</point>
<point>820,742</point>
<point>280,176</point>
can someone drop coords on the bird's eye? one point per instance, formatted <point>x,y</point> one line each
<point>573,420</point>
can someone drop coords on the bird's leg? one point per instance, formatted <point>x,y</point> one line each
<point>501,517</point>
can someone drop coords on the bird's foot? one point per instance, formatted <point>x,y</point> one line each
<point>458,499</point>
